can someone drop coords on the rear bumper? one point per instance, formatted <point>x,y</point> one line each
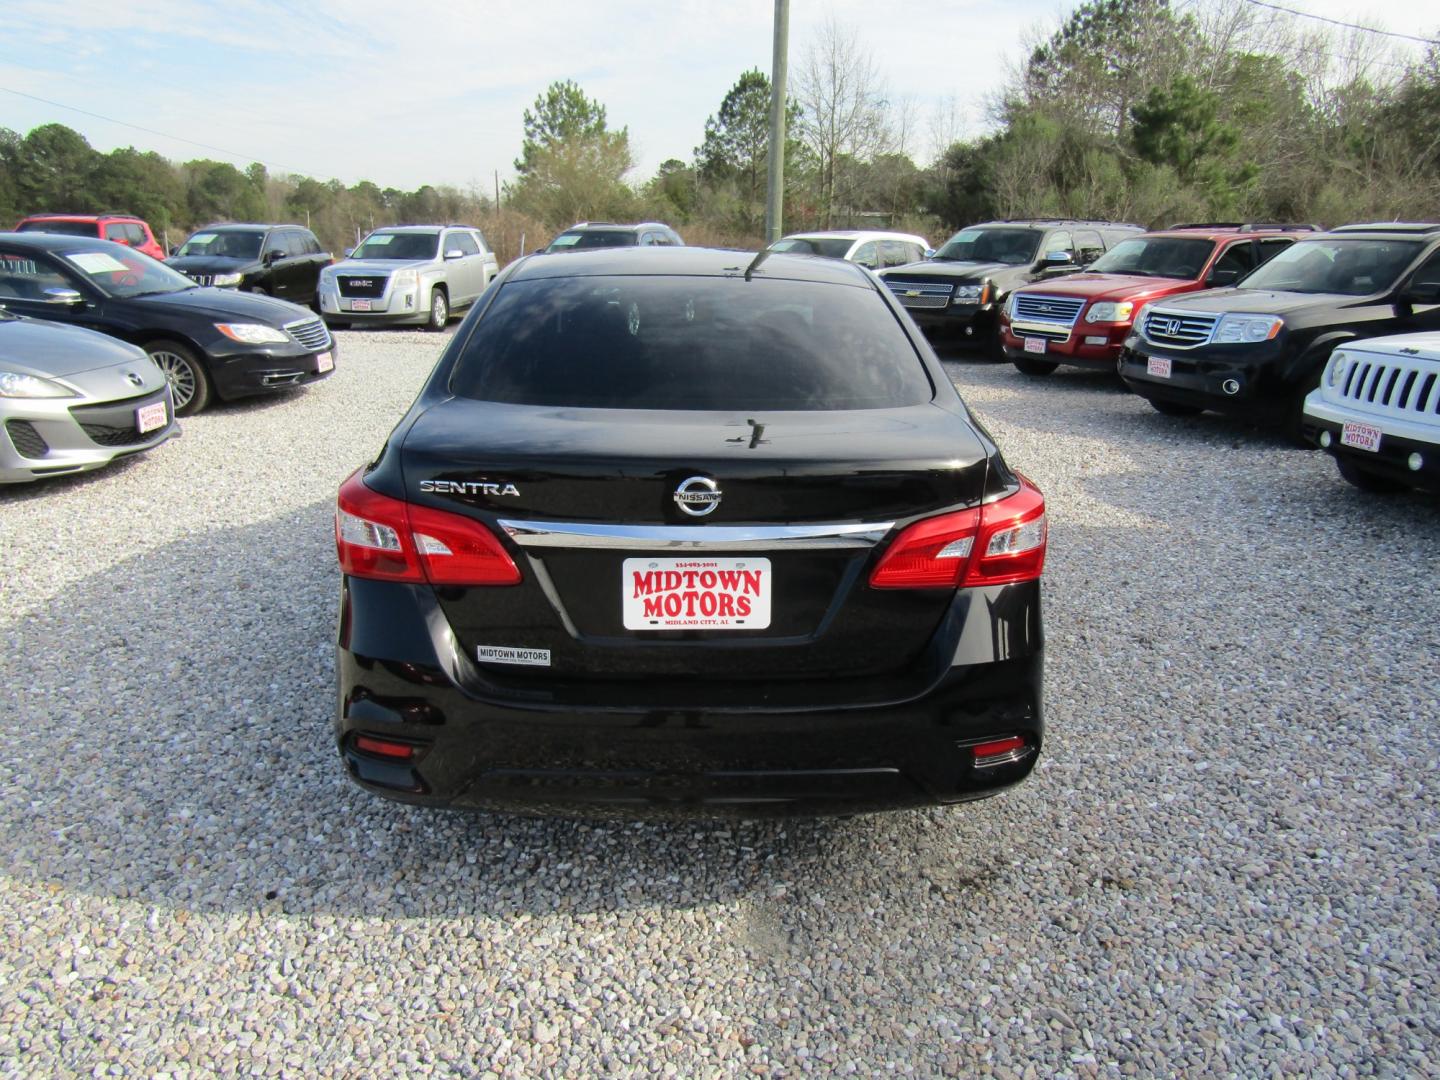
<point>401,677</point>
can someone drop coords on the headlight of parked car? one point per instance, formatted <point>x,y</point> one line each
<point>16,384</point>
<point>252,333</point>
<point>1335,373</point>
<point>228,279</point>
<point>1241,328</point>
<point>1108,312</point>
<point>327,275</point>
<point>405,279</point>
<point>968,294</point>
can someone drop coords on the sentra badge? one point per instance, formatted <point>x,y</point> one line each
<point>467,487</point>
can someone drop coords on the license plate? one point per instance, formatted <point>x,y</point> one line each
<point>1158,366</point>
<point>150,417</point>
<point>696,594</point>
<point>1035,344</point>
<point>1360,436</point>
<point>324,362</point>
<point>359,305</point>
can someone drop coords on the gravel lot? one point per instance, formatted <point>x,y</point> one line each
<point>1226,863</point>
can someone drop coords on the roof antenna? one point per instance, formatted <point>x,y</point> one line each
<point>755,262</point>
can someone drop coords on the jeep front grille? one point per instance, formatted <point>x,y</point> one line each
<point>1398,387</point>
<point>1179,330</point>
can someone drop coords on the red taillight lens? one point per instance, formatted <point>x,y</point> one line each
<point>999,544</point>
<point>384,747</point>
<point>391,540</point>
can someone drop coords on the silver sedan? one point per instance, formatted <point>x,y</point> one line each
<point>73,400</point>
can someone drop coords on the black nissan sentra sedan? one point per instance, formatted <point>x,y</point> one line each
<point>209,342</point>
<point>672,529</point>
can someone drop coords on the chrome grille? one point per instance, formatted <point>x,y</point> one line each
<point>920,294</point>
<point>1390,385</point>
<point>1063,310</point>
<point>309,332</point>
<point>1179,330</point>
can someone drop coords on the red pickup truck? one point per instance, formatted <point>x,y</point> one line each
<point>1083,319</point>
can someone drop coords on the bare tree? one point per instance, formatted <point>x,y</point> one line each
<point>842,106</point>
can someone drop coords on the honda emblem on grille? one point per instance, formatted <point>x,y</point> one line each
<point>697,496</point>
<point>1169,326</point>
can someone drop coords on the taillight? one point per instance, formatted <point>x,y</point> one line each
<point>392,540</point>
<point>998,544</point>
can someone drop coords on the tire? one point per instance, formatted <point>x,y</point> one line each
<point>1171,408</point>
<point>189,385</point>
<point>1365,480</point>
<point>1026,366</point>
<point>439,311</point>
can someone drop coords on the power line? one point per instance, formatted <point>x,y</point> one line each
<point>1346,25</point>
<point>162,134</point>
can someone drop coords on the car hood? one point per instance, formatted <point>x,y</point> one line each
<point>1263,301</point>
<point>932,269</point>
<point>377,266</point>
<point>1424,345</point>
<point>225,305</point>
<point>212,264</point>
<point>1115,287</point>
<point>49,349</point>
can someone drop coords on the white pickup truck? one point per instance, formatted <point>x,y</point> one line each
<point>1377,410</point>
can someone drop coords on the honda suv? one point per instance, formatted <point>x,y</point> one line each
<point>659,532</point>
<point>1084,319</point>
<point>118,228</point>
<point>1258,349</point>
<point>961,288</point>
<point>407,274</point>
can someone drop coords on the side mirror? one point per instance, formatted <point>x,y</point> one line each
<point>1059,258</point>
<point>454,253</point>
<point>1424,295</point>
<point>57,295</point>
<point>272,257</point>
<point>1219,279</point>
<point>349,252</point>
<point>174,250</point>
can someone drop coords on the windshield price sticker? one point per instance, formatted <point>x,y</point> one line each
<point>1360,436</point>
<point>98,262</point>
<point>696,594</point>
<point>379,238</point>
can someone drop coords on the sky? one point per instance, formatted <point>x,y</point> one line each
<point>433,91</point>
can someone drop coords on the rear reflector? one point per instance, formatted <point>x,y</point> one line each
<point>998,748</point>
<point>384,747</point>
<point>998,544</point>
<point>391,540</point>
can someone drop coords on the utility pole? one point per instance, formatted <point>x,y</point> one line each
<point>775,185</point>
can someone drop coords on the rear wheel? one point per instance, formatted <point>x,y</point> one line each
<point>439,310</point>
<point>1171,408</point>
<point>1365,480</point>
<point>1026,366</point>
<point>189,385</point>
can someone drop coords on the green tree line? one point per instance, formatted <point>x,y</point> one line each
<point>1135,110</point>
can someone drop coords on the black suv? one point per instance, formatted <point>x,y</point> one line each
<point>279,260</point>
<point>961,288</point>
<point>606,234</point>
<point>1257,349</point>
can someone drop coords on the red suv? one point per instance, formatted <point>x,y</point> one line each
<point>120,228</point>
<point>1083,319</point>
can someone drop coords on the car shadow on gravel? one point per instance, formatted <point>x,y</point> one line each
<point>167,739</point>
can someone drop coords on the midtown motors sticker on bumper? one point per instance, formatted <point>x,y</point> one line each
<point>684,594</point>
<point>505,654</point>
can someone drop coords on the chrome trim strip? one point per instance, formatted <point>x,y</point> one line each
<point>554,534</point>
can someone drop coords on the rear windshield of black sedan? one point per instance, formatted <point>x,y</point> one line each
<point>690,343</point>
